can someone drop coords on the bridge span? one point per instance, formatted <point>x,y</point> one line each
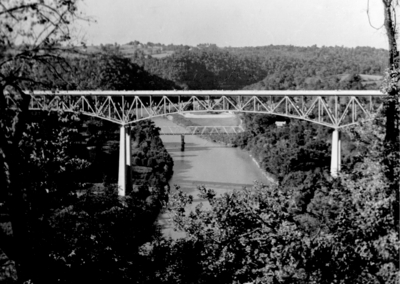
<point>334,109</point>
<point>200,130</point>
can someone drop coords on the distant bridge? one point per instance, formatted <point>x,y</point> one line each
<point>200,130</point>
<point>334,109</point>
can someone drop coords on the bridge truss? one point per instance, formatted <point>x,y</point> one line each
<point>200,130</point>
<point>334,109</point>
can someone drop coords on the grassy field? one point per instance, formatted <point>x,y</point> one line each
<point>371,77</point>
<point>129,50</point>
<point>162,55</point>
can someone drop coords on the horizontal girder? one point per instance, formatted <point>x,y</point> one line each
<point>244,93</point>
<point>335,109</point>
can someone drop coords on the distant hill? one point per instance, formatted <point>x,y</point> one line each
<point>273,67</point>
<point>293,68</point>
<point>100,71</point>
<point>340,81</point>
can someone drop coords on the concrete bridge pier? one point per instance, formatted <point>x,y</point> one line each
<point>182,143</point>
<point>336,153</point>
<point>128,158</point>
<point>125,160</point>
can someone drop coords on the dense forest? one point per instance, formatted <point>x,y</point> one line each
<point>61,219</point>
<point>99,72</point>
<point>273,67</point>
<point>270,67</point>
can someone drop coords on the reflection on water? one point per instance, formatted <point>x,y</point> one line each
<point>205,163</point>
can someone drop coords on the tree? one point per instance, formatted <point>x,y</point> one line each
<point>97,239</point>
<point>247,235</point>
<point>31,34</point>
<point>392,104</point>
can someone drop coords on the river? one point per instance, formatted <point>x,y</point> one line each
<point>216,166</point>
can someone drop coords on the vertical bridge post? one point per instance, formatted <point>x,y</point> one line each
<point>336,153</point>
<point>128,163</point>
<point>124,169</point>
<point>182,142</point>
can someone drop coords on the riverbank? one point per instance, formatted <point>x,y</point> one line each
<point>197,120</point>
<point>267,175</point>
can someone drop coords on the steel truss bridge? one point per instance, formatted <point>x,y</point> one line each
<point>334,109</point>
<point>200,130</point>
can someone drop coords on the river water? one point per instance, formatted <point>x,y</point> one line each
<point>215,166</point>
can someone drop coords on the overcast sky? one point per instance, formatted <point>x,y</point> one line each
<point>235,22</point>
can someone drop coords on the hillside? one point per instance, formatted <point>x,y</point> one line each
<point>273,67</point>
<point>266,67</point>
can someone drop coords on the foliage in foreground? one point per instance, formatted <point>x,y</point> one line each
<point>348,233</point>
<point>97,238</point>
<point>74,232</point>
<point>256,235</point>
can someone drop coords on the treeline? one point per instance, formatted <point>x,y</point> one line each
<point>324,60</point>
<point>152,165</point>
<point>98,71</point>
<point>208,67</point>
<point>286,147</point>
<point>284,150</point>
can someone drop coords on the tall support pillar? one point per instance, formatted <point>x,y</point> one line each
<point>122,161</point>
<point>336,153</point>
<point>182,143</point>
<point>128,146</point>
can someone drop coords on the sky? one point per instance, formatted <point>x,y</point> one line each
<point>235,22</point>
